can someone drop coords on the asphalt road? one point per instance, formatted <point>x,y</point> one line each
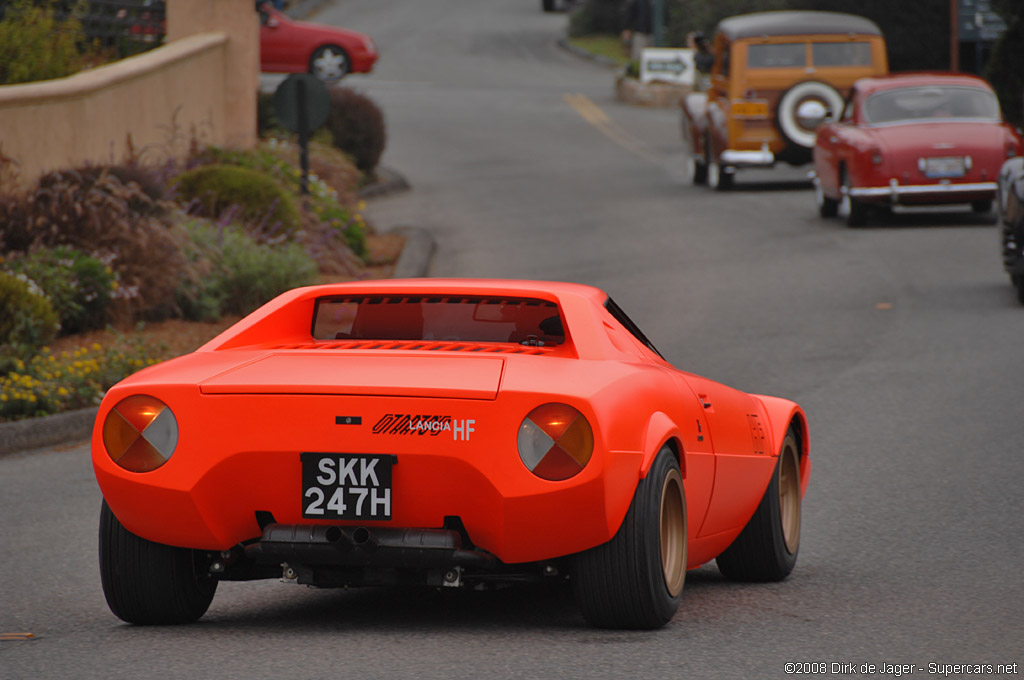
<point>901,340</point>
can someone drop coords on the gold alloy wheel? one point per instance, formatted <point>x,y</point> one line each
<point>789,496</point>
<point>673,533</point>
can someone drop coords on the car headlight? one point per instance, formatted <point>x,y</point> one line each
<point>140,433</point>
<point>555,441</point>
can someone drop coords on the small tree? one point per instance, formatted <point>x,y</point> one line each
<point>35,45</point>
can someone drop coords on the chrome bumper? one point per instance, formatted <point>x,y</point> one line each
<point>763,158</point>
<point>895,190</point>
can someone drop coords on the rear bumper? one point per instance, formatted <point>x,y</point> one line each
<point>740,158</point>
<point>364,547</point>
<point>925,193</point>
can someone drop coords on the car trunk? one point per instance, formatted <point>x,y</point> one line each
<point>927,153</point>
<point>399,375</point>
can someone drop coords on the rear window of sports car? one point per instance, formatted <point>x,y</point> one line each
<point>524,321</point>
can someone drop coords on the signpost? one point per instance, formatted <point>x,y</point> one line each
<point>978,22</point>
<point>301,104</point>
<point>972,21</point>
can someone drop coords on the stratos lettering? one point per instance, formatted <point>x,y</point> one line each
<point>433,425</point>
<point>405,423</point>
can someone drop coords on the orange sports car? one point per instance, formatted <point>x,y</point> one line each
<point>446,433</point>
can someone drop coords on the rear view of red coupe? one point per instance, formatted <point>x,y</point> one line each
<point>329,53</point>
<point>912,139</point>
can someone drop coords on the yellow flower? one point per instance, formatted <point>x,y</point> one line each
<point>96,346</point>
<point>62,391</point>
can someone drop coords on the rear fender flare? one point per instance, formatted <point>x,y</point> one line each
<point>783,414</point>
<point>661,430</point>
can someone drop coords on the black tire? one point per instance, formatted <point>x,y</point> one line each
<point>827,207</point>
<point>1018,283</point>
<point>330,63</point>
<point>635,580</point>
<point>698,169</point>
<point>850,209</point>
<point>718,178</point>
<point>149,583</point>
<point>981,207</point>
<point>767,548</point>
<point>547,5</point>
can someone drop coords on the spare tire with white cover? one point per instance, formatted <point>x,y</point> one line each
<point>800,110</point>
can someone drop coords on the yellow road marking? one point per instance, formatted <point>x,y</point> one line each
<point>16,636</point>
<point>593,114</point>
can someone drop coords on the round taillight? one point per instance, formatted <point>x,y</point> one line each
<point>555,441</point>
<point>140,433</point>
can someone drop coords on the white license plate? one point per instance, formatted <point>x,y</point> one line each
<point>952,166</point>
<point>346,486</point>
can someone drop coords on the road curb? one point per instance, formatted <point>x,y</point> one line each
<point>414,261</point>
<point>36,433</point>
<point>388,182</point>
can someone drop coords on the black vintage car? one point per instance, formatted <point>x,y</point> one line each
<point>1010,202</point>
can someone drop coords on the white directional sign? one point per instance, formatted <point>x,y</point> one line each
<point>670,65</point>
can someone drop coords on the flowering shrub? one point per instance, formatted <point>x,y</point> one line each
<point>51,383</point>
<point>79,287</point>
<point>94,211</point>
<point>27,319</point>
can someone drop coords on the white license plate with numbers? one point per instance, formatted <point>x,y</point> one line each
<point>346,486</point>
<point>937,168</point>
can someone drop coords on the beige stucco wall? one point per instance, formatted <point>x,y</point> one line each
<point>239,20</point>
<point>200,86</point>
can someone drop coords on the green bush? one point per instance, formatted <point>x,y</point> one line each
<point>356,125</point>
<point>240,274</point>
<point>231,192</point>
<point>336,220</point>
<point>27,319</point>
<point>34,45</point>
<point>78,286</point>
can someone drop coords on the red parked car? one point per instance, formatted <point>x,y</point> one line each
<point>329,53</point>
<point>913,139</point>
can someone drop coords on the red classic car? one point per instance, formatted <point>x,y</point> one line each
<point>914,139</point>
<point>329,53</point>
